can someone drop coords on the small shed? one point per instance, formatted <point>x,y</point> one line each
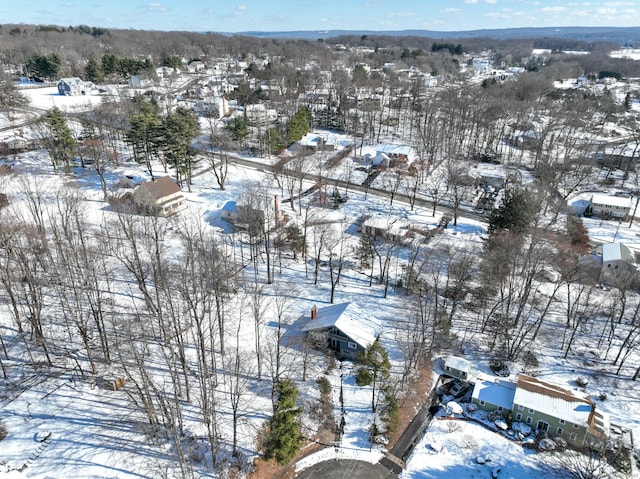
<point>457,367</point>
<point>229,211</point>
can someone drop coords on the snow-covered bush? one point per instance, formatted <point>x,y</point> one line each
<point>547,444</point>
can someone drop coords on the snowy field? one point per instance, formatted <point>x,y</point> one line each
<point>70,426</point>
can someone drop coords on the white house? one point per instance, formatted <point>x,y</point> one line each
<point>618,263</point>
<point>259,114</point>
<point>392,229</point>
<point>607,206</point>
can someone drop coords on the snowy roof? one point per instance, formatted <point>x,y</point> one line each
<point>230,206</point>
<point>626,149</point>
<point>310,139</point>
<point>616,252</point>
<point>362,327</point>
<point>572,406</point>
<point>457,363</point>
<point>395,149</point>
<point>160,187</point>
<point>622,201</point>
<point>498,392</point>
<point>379,222</point>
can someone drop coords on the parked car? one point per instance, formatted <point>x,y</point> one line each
<point>459,388</point>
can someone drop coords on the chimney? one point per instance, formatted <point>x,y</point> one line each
<point>592,414</point>
<point>314,312</point>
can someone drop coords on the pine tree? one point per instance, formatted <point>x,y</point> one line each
<point>284,440</point>
<point>59,139</point>
<point>144,134</point>
<point>513,213</point>
<point>93,71</point>
<point>375,367</point>
<point>179,129</point>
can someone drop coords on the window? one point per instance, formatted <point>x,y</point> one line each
<point>518,417</point>
<point>531,411</point>
<point>529,420</point>
<point>559,431</point>
<point>562,421</point>
<point>352,345</point>
<point>575,426</point>
<point>542,426</point>
<point>573,436</point>
<point>482,403</point>
<point>499,408</point>
<point>521,407</point>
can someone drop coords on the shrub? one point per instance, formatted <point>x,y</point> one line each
<point>324,385</point>
<point>363,377</point>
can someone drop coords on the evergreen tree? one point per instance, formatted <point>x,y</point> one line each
<point>93,71</point>
<point>239,129</point>
<point>513,213</point>
<point>375,367</point>
<point>180,128</point>
<point>109,63</point>
<point>144,134</point>
<point>284,439</point>
<point>43,67</point>
<point>58,139</point>
<point>10,97</point>
<point>299,124</point>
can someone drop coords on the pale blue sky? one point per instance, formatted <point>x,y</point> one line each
<point>287,15</point>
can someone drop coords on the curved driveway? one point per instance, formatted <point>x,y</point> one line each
<point>347,469</point>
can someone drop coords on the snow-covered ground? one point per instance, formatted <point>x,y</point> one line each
<point>65,425</point>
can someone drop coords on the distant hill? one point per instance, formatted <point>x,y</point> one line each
<point>619,35</point>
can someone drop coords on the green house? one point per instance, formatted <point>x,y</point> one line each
<point>559,412</point>
<point>493,394</point>
<point>457,367</point>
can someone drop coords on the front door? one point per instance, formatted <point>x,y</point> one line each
<point>542,426</point>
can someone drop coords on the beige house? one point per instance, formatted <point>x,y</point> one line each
<point>606,206</point>
<point>160,197</point>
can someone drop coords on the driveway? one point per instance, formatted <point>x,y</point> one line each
<point>348,469</point>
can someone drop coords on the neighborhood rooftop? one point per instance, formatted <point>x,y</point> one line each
<point>349,318</point>
<point>572,406</point>
<point>495,391</point>
<point>602,199</point>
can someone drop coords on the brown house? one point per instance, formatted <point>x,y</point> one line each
<point>160,197</point>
